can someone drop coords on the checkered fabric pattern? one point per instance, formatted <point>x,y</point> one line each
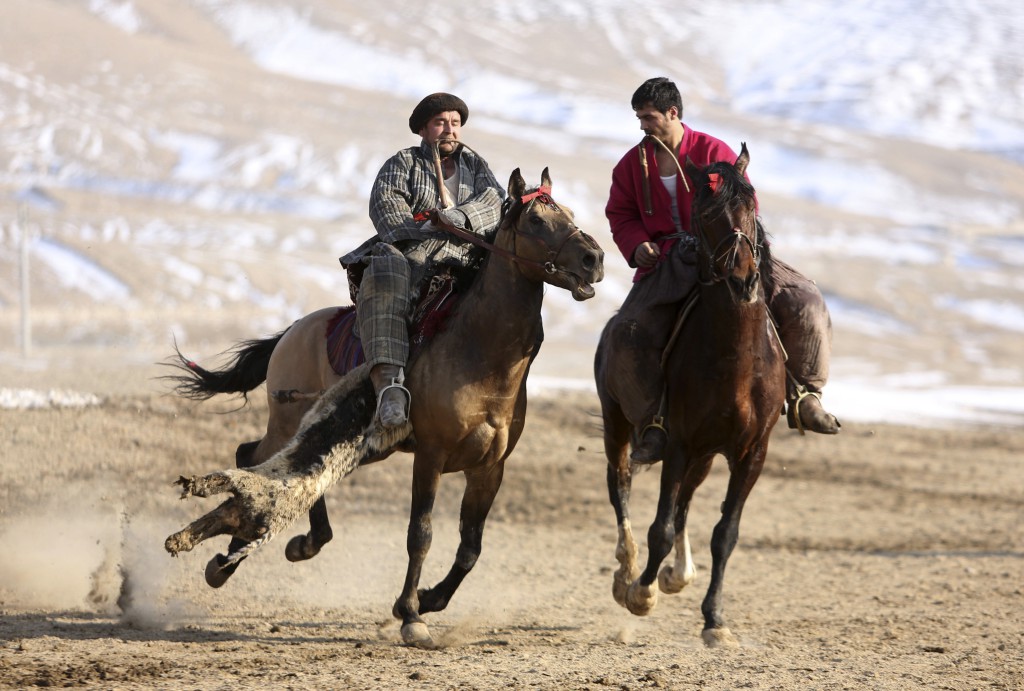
<point>406,186</point>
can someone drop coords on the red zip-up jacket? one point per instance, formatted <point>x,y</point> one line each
<point>630,223</point>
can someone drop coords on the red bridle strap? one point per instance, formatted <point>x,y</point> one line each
<point>543,193</point>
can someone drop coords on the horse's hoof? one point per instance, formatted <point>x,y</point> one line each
<point>640,599</point>
<point>216,574</point>
<point>619,588</point>
<point>719,638</point>
<point>417,634</point>
<point>669,584</point>
<point>299,549</point>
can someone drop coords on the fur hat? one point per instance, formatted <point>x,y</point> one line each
<point>434,104</point>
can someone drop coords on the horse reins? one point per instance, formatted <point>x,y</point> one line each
<point>542,194</point>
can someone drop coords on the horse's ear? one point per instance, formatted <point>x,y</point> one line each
<point>516,185</point>
<point>743,159</point>
<point>545,178</point>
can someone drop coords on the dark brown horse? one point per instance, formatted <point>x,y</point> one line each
<point>726,385</point>
<point>468,389</point>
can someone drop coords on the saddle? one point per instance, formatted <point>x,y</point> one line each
<point>430,317</point>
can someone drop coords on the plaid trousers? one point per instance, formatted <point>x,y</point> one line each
<point>384,306</point>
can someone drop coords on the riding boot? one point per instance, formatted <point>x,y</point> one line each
<point>805,412</point>
<point>393,399</point>
<point>653,439</point>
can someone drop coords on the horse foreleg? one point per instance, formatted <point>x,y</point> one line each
<point>620,478</point>
<point>302,547</point>
<point>742,477</point>
<point>641,597</point>
<point>481,488</point>
<point>676,576</point>
<point>407,606</point>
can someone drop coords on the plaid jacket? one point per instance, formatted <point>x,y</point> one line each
<point>407,185</point>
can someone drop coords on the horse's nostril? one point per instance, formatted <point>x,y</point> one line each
<point>592,260</point>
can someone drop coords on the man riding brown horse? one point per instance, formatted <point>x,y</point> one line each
<point>417,191</point>
<point>649,212</point>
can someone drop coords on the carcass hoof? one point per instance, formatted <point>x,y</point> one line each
<point>669,584</point>
<point>719,638</point>
<point>216,573</point>
<point>417,634</point>
<point>300,548</point>
<point>640,599</point>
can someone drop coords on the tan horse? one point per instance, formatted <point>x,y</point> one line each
<point>468,389</point>
<point>725,393</point>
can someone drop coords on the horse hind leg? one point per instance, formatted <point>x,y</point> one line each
<point>308,545</point>
<point>723,540</point>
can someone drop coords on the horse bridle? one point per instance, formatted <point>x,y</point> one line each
<point>731,252</point>
<point>550,264</point>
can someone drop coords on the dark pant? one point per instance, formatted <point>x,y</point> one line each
<point>640,331</point>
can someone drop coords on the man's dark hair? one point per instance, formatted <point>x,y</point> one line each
<point>661,93</point>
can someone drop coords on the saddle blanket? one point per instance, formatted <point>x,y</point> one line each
<point>344,350</point>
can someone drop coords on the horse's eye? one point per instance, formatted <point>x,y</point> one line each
<point>536,220</point>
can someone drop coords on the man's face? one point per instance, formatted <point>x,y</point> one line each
<point>656,123</point>
<point>444,129</point>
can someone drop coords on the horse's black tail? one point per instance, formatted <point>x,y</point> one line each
<point>246,370</point>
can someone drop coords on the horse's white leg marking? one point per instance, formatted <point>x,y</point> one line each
<point>625,553</point>
<point>677,576</point>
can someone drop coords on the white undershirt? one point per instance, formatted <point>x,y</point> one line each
<point>452,185</point>
<point>669,181</point>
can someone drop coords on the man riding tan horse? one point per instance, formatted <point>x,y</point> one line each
<point>440,182</point>
<point>469,386</point>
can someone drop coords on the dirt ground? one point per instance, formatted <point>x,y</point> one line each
<point>885,558</point>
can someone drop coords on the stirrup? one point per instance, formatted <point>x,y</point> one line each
<point>796,421</point>
<point>657,423</point>
<point>396,383</point>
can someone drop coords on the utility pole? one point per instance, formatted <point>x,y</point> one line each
<point>37,198</point>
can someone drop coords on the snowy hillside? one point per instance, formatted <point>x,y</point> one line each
<point>194,171</point>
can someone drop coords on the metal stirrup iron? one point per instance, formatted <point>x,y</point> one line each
<point>396,383</point>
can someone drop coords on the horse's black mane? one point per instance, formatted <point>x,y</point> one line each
<point>732,187</point>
